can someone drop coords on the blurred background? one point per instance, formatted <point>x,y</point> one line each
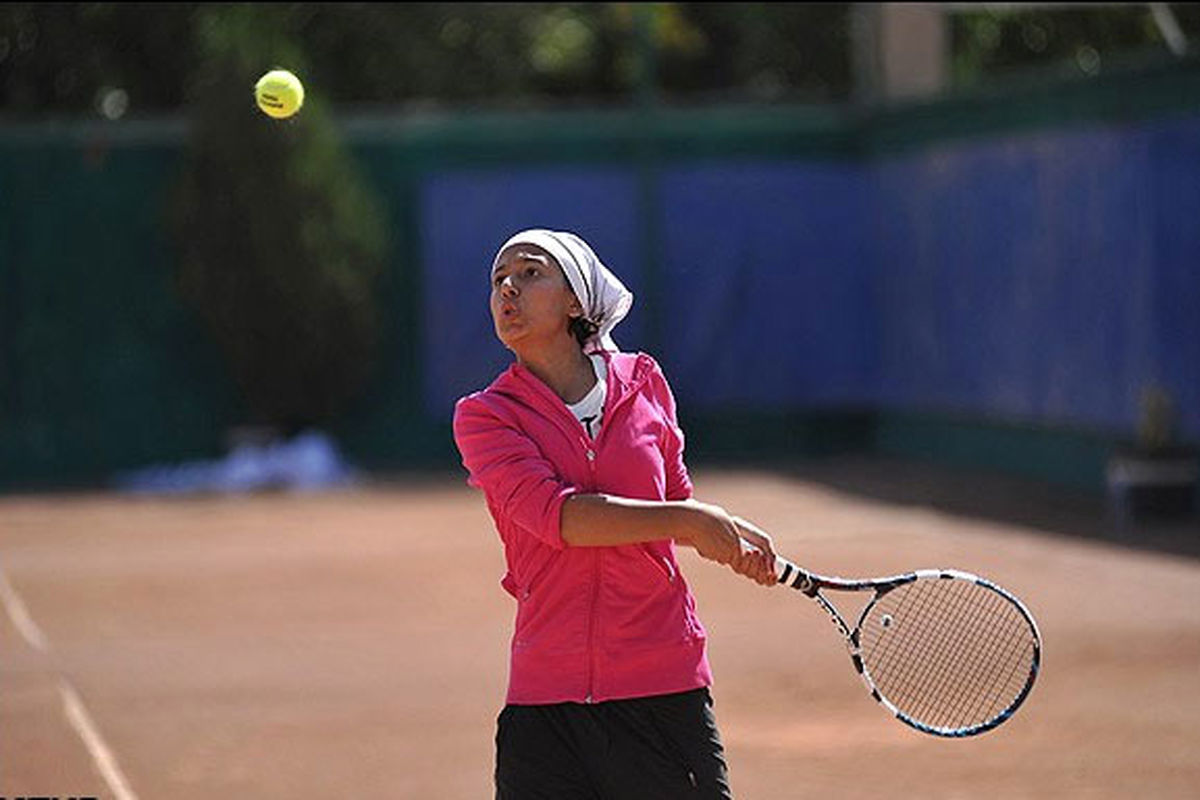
<point>963,234</point>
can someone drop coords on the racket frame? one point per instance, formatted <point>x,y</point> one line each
<point>810,584</point>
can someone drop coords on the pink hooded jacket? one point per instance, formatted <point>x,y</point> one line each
<point>593,623</point>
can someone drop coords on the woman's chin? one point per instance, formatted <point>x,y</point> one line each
<point>511,334</point>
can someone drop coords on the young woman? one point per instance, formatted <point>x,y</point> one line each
<point>580,458</point>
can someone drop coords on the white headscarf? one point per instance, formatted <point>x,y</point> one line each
<point>604,298</point>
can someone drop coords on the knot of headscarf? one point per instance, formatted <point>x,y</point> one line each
<point>604,298</point>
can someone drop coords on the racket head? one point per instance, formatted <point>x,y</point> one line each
<point>947,652</point>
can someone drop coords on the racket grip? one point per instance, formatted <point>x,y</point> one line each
<point>791,575</point>
<point>785,569</point>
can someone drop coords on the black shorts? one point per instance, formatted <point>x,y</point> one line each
<point>656,748</point>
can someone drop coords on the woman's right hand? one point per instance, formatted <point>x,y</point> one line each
<point>717,537</point>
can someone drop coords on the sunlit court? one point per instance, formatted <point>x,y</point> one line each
<point>356,642</point>
<point>599,401</point>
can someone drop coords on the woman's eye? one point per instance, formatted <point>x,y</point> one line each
<point>531,271</point>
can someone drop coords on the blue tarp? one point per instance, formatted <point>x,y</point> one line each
<point>1045,278</point>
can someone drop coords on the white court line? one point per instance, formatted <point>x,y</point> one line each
<point>83,725</point>
<point>19,615</point>
<point>77,715</point>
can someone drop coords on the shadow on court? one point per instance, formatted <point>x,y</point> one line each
<point>996,497</point>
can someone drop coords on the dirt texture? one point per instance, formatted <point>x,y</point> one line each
<point>354,644</point>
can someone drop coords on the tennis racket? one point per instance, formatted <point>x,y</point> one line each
<point>945,651</point>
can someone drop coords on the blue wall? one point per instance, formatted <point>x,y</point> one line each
<point>1175,185</point>
<point>759,309</point>
<point>1042,278</point>
<point>1045,278</point>
<point>767,302</point>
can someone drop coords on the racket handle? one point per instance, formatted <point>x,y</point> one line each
<point>785,569</point>
<point>788,573</point>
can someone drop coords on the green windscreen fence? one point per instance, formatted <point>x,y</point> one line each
<point>104,369</point>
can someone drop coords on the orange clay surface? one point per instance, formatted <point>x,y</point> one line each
<point>353,644</point>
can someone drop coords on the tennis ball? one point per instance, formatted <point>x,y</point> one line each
<point>279,94</point>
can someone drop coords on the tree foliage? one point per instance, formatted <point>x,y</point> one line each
<point>61,57</point>
<point>65,57</point>
<point>281,242</point>
<point>994,43</point>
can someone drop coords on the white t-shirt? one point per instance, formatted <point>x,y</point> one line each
<point>590,410</point>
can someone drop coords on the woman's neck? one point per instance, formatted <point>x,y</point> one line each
<point>566,370</point>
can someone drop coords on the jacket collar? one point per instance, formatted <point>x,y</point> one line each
<point>627,373</point>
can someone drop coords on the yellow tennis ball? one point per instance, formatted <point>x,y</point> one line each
<point>279,94</point>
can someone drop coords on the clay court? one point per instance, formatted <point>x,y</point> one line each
<point>353,644</point>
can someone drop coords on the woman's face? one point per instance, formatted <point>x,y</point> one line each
<point>531,300</point>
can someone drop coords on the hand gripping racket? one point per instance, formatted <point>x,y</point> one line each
<point>946,652</point>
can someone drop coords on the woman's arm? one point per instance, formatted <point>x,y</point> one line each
<point>598,520</point>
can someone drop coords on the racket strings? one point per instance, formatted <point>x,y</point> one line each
<point>962,687</point>
<point>913,675</point>
<point>954,654</point>
<point>1009,686</point>
<point>974,682</point>
<point>963,682</point>
<point>914,690</point>
<point>1009,653</point>
<point>985,686</point>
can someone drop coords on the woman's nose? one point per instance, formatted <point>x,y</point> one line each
<point>507,287</point>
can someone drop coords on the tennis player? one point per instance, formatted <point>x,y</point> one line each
<point>579,455</point>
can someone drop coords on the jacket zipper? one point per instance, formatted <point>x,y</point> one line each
<point>590,453</point>
<point>590,448</point>
<point>591,688</point>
